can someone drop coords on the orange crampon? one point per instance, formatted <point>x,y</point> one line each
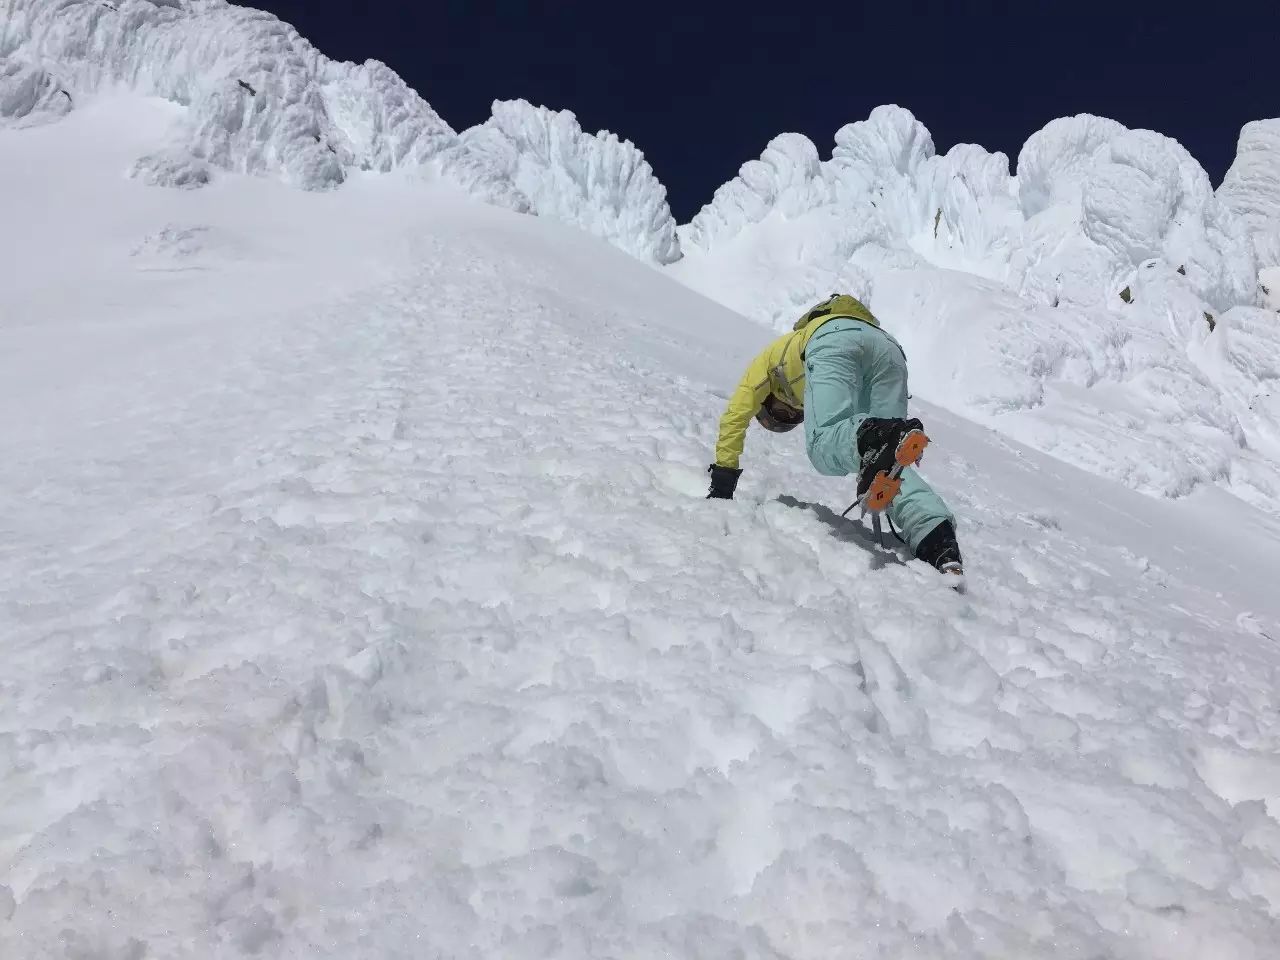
<point>886,486</point>
<point>911,449</point>
<point>881,492</point>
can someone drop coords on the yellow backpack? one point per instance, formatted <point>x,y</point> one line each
<point>838,305</point>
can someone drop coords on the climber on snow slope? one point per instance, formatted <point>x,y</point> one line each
<point>845,379</point>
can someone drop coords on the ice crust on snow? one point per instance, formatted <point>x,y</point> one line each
<point>1251,188</point>
<point>540,161</point>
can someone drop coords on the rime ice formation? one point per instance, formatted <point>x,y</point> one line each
<point>1100,200</point>
<point>258,97</point>
<point>1252,187</point>
<point>787,178</point>
<point>1091,203</point>
<point>541,161</point>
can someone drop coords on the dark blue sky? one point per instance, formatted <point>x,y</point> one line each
<point>702,87</point>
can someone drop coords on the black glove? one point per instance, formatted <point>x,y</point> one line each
<point>724,480</point>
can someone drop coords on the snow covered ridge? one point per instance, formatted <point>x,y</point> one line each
<point>1092,202</point>
<point>261,100</point>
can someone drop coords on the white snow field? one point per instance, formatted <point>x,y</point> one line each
<point>358,598</point>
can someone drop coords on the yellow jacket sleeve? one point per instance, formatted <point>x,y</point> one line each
<point>743,406</point>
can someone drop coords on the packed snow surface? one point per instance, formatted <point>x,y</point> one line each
<point>363,602</point>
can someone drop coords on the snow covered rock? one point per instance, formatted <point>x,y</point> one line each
<point>541,161</point>
<point>30,93</point>
<point>1251,188</point>
<point>260,99</point>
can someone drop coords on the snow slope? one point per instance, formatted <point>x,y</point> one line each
<point>1102,306</point>
<point>364,603</point>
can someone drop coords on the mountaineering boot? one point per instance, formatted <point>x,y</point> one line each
<point>886,445</point>
<point>940,550</point>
